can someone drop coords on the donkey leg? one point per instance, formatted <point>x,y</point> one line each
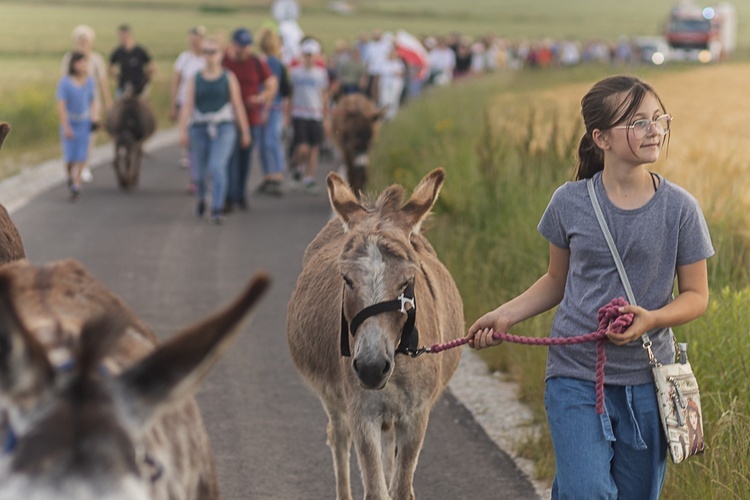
<point>388,455</point>
<point>409,439</point>
<point>340,441</point>
<point>367,440</point>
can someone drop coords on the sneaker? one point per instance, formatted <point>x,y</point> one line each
<point>86,175</point>
<point>227,208</point>
<point>200,209</point>
<point>310,187</point>
<point>274,188</point>
<point>184,162</point>
<point>296,181</point>
<point>242,205</point>
<point>262,189</point>
<point>75,193</point>
<point>216,217</point>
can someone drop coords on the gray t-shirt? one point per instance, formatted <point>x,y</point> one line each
<point>307,87</point>
<point>666,232</point>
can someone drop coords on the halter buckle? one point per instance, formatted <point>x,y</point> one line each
<point>405,300</point>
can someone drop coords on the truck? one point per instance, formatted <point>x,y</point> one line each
<point>704,33</point>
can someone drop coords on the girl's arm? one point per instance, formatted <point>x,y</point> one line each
<point>186,111</point>
<point>543,295</point>
<point>62,114</point>
<point>692,301</point>
<point>239,110</point>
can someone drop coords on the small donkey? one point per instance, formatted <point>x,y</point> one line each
<point>11,247</point>
<point>98,410</point>
<point>352,272</point>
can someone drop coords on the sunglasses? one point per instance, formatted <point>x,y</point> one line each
<point>209,52</point>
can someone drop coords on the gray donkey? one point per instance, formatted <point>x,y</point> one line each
<point>371,290</point>
<point>98,410</point>
<point>11,247</point>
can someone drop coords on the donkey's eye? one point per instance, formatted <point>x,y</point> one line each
<point>348,282</point>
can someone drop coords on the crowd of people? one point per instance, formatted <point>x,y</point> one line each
<point>233,97</point>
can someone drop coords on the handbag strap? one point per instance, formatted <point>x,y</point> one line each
<point>616,256</point>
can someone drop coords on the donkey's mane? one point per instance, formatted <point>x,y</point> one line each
<point>389,201</point>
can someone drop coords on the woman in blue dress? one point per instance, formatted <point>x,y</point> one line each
<point>76,105</point>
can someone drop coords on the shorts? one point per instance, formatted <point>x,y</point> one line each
<point>307,131</point>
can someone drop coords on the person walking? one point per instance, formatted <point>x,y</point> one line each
<point>83,42</point>
<point>660,233</point>
<point>211,115</point>
<point>391,84</point>
<point>76,108</point>
<point>268,136</point>
<point>307,112</point>
<point>258,88</point>
<point>188,63</point>
<point>130,63</point>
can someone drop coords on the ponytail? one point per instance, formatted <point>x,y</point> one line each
<point>590,158</point>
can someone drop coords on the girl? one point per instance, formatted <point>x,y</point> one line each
<point>660,232</point>
<point>211,113</point>
<point>76,105</point>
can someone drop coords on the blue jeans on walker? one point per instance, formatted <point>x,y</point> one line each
<point>239,168</point>
<point>268,140</point>
<point>619,455</point>
<point>211,155</point>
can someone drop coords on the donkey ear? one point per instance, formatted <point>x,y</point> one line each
<point>24,367</point>
<point>4,129</point>
<point>342,199</point>
<point>422,200</point>
<point>177,367</point>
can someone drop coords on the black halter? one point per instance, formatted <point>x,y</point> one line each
<point>409,334</point>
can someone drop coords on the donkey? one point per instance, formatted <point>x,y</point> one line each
<point>373,253</point>
<point>130,122</point>
<point>11,247</point>
<point>355,121</point>
<point>97,409</point>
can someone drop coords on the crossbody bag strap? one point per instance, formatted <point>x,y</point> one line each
<point>616,256</point>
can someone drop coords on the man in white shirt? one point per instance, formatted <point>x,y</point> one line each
<point>442,62</point>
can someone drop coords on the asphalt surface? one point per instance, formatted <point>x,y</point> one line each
<point>268,430</point>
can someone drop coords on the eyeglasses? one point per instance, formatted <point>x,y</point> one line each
<point>641,127</point>
<point>209,52</point>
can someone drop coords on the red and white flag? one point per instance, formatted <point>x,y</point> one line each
<point>411,50</point>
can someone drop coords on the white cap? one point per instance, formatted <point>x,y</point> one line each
<point>310,46</point>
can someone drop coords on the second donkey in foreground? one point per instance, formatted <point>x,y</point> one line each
<point>372,254</point>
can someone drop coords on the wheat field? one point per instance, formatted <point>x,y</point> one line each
<point>708,151</point>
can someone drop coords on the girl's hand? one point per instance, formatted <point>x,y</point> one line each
<point>68,132</point>
<point>643,321</point>
<point>481,332</point>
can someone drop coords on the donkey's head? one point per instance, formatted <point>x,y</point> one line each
<point>77,431</point>
<point>379,264</point>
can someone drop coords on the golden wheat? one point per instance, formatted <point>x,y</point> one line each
<point>709,153</point>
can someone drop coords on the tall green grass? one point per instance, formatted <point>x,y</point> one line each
<point>497,187</point>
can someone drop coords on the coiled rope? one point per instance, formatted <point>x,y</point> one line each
<point>610,320</point>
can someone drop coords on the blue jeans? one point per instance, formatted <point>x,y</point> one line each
<point>268,140</point>
<point>239,168</point>
<point>619,455</point>
<point>211,156</point>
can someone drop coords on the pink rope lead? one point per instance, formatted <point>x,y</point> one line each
<point>610,319</point>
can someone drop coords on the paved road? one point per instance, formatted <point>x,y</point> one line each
<point>267,429</point>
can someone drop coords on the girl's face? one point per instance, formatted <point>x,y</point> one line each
<point>81,66</point>
<point>634,146</point>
